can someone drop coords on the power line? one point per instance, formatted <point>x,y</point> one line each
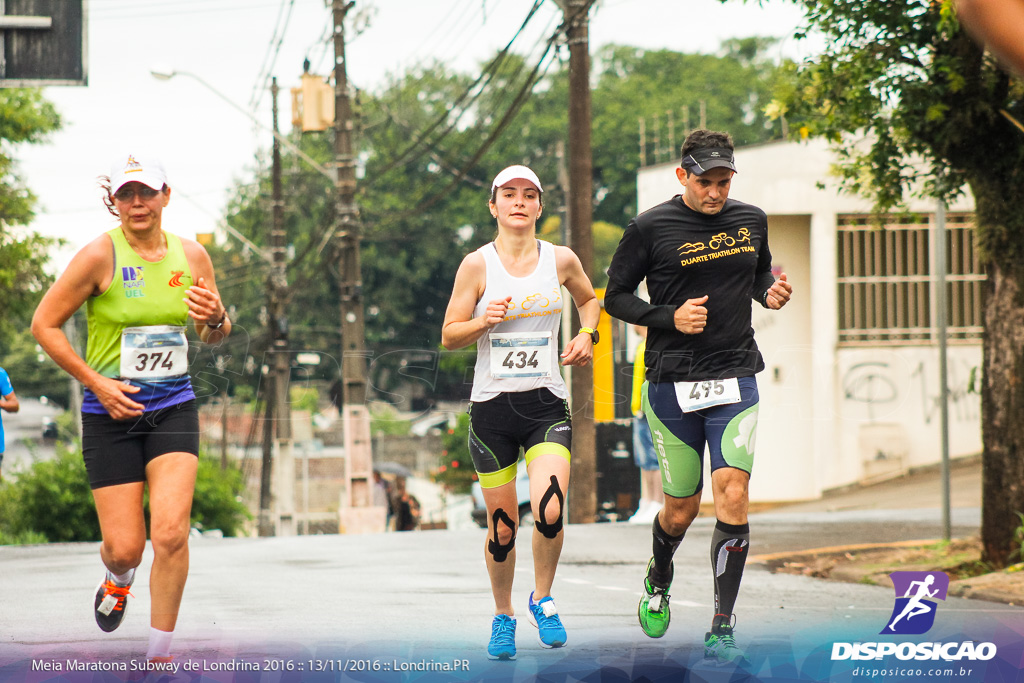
<point>434,195</point>
<point>477,86</point>
<point>135,11</point>
<point>270,59</point>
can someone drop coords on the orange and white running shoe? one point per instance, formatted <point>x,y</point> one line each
<point>110,603</point>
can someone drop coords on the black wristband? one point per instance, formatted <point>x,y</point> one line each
<point>219,325</point>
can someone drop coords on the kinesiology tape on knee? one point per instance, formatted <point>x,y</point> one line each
<point>550,530</point>
<point>499,551</point>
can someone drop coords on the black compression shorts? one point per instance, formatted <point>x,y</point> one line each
<point>536,421</point>
<point>117,451</point>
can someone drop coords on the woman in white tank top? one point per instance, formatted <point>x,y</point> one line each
<point>508,300</point>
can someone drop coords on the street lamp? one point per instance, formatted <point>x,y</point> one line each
<point>168,74</point>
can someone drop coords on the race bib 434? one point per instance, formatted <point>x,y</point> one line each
<point>520,354</point>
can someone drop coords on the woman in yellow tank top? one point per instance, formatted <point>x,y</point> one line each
<point>140,426</point>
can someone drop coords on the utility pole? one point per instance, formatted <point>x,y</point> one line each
<point>280,353</point>
<point>583,501</point>
<point>277,446</point>
<point>356,514</point>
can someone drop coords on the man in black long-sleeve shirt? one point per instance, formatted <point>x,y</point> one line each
<point>704,256</point>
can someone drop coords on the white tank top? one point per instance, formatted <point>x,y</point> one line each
<point>521,352</point>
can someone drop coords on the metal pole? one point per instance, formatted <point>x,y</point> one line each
<point>939,268</point>
<point>266,523</point>
<point>281,361</point>
<point>347,216</point>
<point>355,416</point>
<point>583,501</point>
<point>224,400</point>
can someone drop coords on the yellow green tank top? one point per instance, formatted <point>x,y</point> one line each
<point>141,293</point>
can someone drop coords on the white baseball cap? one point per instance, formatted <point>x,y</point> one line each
<point>137,168</point>
<point>515,173</point>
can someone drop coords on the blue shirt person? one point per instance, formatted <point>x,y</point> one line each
<point>8,402</point>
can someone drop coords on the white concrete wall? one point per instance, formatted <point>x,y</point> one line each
<point>784,467</point>
<point>889,410</point>
<point>811,435</point>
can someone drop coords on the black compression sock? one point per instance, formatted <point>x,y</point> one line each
<point>664,548</point>
<point>729,546</point>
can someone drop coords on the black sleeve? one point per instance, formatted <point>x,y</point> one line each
<point>629,266</point>
<point>763,278</point>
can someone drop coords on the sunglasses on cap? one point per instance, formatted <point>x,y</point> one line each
<point>125,193</point>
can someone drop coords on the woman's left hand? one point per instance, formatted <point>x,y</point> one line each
<point>204,305</point>
<point>580,350</point>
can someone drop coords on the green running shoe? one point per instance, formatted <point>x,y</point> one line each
<point>653,610</point>
<point>722,648</point>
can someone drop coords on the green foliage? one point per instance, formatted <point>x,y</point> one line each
<point>304,398</point>
<point>33,373</point>
<point>51,501</point>
<point>1018,539</point>
<point>912,101</point>
<point>917,107</point>
<point>217,502</point>
<point>23,538</point>
<point>606,238</point>
<point>23,280</point>
<point>24,117</point>
<point>455,466</point>
<point>384,420</point>
<point>52,498</point>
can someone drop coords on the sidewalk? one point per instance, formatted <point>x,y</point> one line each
<point>918,489</point>
<point>871,562</point>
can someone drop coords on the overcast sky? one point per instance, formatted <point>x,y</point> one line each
<point>235,45</point>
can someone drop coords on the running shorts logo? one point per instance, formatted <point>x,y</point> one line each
<point>659,443</point>
<point>747,434</point>
<point>916,592</point>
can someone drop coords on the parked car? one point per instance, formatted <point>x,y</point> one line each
<point>522,494</point>
<point>49,428</point>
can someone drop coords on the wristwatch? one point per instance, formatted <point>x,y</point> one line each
<point>595,336</point>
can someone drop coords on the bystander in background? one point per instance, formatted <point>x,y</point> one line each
<point>652,497</point>
<point>406,507</point>
<point>8,402</point>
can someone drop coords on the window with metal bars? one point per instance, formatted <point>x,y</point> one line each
<point>884,284</point>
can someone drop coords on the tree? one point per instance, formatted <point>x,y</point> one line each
<point>913,101</point>
<point>33,372</point>
<point>25,117</point>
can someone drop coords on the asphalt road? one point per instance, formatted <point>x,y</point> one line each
<point>23,433</point>
<point>402,601</point>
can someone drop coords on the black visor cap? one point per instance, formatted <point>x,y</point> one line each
<point>703,160</point>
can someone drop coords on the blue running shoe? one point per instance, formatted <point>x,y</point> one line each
<point>544,616</point>
<point>503,638</point>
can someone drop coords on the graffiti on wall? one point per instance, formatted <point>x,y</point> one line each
<point>878,385</point>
